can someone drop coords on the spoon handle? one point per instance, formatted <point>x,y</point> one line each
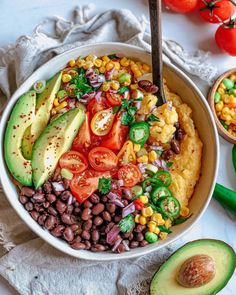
<point>156,40</point>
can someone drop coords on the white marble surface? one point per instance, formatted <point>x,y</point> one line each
<point>19,17</point>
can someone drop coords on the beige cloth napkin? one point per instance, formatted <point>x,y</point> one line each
<point>32,266</point>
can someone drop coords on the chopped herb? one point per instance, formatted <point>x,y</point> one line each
<point>169,164</point>
<point>127,118</point>
<point>113,56</point>
<point>126,224</point>
<point>138,99</point>
<point>181,220</point>
<point>152,118</point>
<point>104,185</point>
<point>123,89</point>
<point>164,229</point>
<point>116,109</point>
<point>81,82</point>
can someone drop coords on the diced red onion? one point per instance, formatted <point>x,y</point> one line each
<point>58,186</point>
<point>157,163</point>
<point>156,148</point>
<point>112,91</point>
<point>95,83</point>
<point>89,73</point>
<point>138,105</point>
<point>126,95</point>
<point>128,210</point>
<point>125,243</point>
<point>98,96</point>
<point>118,203</point>
<point>83,100</point>
<point>117,243</point>
<point>120,182</point>
<point>148,188</point>
<point>112,234</point>
<point>101,78</point>
<point>153,109</point>
<point>127,192</point>
<point>70,200</point>
<point>71,103</point>
<point>142,167</point>
<point>114,184</point>
<point>109,74</point>
<point>164,166</point>
<point>90,95</point>
<point>94,77</point>
<point>169,105</point>
<point>60,100</point>
<point>112,196</point>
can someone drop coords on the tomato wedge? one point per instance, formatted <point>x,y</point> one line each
<point>102,122</point>
<point>130,174</point>
<point>127,154</point>
<point>114,98</point>
<point>116,137</point>
<point>84,185</point>
<point>94,106</point>
<point>83,141</point>
<point>73,161</point>
<point>102,159</point>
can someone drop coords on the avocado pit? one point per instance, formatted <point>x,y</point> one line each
<point>196,271</point>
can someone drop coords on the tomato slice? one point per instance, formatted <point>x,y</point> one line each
<point>73,161</point>
<point>114,98</point>
<point>84,185</point>
<point>102,159</point>
<point>116,137</point>
<point>83,141</point>
<point>94,106</point>
<point>130,174</point>
<point>127,154</point>
<point>102,122</point>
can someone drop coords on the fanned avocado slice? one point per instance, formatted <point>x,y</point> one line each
<point>220,254</point>
<point>44,105</point>
<point>21,118</point>
<point>55,140</point>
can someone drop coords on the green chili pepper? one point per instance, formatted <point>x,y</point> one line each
<point>234,156</point>
<point>170,206</point>
<point>160,192</point>
<point>224,125</point>
<point>139,133</point>
<point>151,181</point>
<point>164,177</point>
<point>226,197</point>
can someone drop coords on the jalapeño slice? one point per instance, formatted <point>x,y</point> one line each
<point>164,177</point>
<point>170,206</point>
<point>159,192</point>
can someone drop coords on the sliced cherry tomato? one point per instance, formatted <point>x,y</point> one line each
<point>130,174</point>
<point>116,137</point>
<point>84,185</point>
<point>226,37</point>
<point>83,141</point>
<point>73,161</point>
<point>181,6</point>
<point>138,204</point>
<point>102,122</point>
<point>114,98</point>
<point>102,159</point>
<point>127,154</point>
<point>94,106</point>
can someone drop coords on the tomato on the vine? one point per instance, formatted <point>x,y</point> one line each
<point>226,37</point>
<point>214,11</point>
<point>182,6</point>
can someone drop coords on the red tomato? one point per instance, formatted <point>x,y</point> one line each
<point>94,106</point>
<point>182,6</point>
<point>73,161</point>
<point>216,11</point>
<point>84,185</point>
<point>82,141</point>
<point>114,98</point>
<point>226,37</point>
<point>102,159</point>
<point>116,137</point>
<point>130,174</point>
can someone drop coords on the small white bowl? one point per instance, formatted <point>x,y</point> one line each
<point>179,83</point>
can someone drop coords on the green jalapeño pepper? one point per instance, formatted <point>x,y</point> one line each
<point>170,206</point>
<point>164,177</point>
<point>160,192</point>
<point>139,132</point>
<point>151,181</point>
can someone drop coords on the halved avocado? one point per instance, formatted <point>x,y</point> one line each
<point>165,280</point>
<point>55,140</point>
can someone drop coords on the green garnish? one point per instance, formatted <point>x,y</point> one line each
<point>115,109</point>
<point>104,185</point>
<point>169,164</point>
<point>181,220</point>
<point>81,82</point>
<point>164,229</point>
<point>152,118</point>
<point>113,56</point>
<point>126,224</point>
<point>123,89</point>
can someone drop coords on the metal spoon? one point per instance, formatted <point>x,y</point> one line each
<point>156,40</point>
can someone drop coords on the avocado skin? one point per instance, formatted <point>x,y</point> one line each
<point>21,117</point>
<point>55,140</point>
<point>157,280</point>
<point>44,103</point>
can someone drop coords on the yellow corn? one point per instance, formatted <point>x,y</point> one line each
<point>157,230</point>
<point>80,63</point>
<point>66,78</point>
<point>105,86</point>
<point>127,83</point>
<point>134,86</point>
<point>134,67</point>
<point>184,211</point>
<point>137,147</point>
<point>61,106</point>
<point>88,65</point>
<point>102,70</point>
<point>221,90</point>
<point>115,85</point>
<point>152,156</point>
<point>104,63</point>
<point>168,223</point>
<point>143,199</point>
<point>136,219</point>
<point>55,102</point>
<point>146,68</point>
<point>139,65</point>
<point>222,85</point>
<point>225,110</point>
<point>53,112</point>
<point>137,74</point>
<point>110,66</point>
<point>106,58</point>
<point>225,98</point>
<point>143,159</point>
<point>98,63</point>
<point>232,99</point>
<point>233,78</point>
<point>147,212</point>
<point>163,235</point>
<point>117,65</point>
<point>151,228</point>
<point>157,217</point>
<point>124,62</point>
<point>142,220</point>
<point>152,222</point>
<point>72,63</point>
<point>219,106</point>
<point>90,57</point>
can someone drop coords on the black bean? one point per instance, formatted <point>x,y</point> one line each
<point>51,198</point>
<point>98,208</point>
<point>39,198</point>
<point>39,190</point>
<point>47,187</point>
<point>23,199</point>
<point>139,228</point>
<point>98,248</point>
<point>67,219</point>
<point>104,199</point>
<point>131,237</point>
<point>120,248</point>
<point>52,211</point>
<point>60,206</point>
<point>77,239</point>
<point>125,202</point>
<point>133,244</point>
<point>77,204</point>
<point>77,211</point>
<point>68,234</point>
<point>27,191</point>
<point>88,204</point>
<point>95,235</point>
<point>46,204</point>
<point>85,235</point>
<point>139,237</point>
<point>143,243</point>
<point>166,155</point>
<point>87,244</point>
<point>179,134</point>
<point>34,215</point>
<point>106,216</point>
<point>111,207</point>
<point>86,214</point>
<point>109,227</point>
<point>98,220</point>
<point>50,222</point>
<point>94,199</point>
<point>117,218</point>
<point>57,231</point>
<point>177,125</point>
<point>78,246</point>
<point>69,209</point>
<point>42,219</point>
<point>74,227</point>
<point>66,183</point>
<point>87,225</point>
<point>175,146</point>
<point>65,195</point>
<point>127,235</point>
<point>29,206</point>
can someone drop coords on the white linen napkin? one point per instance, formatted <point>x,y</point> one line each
<point>32,266</point>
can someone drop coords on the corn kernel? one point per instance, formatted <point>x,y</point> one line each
<point>106,58</point>
<point>158,219</point>
<point>110,66</point>
<point>124,62</point>
<point>152,156</point>
<point>117,65</point>
<point>143,199</point>
<point>53,112</point>
<point>88,65</point>
<point>127,83</point>
<point>102,70</point>
<point>163,235</point>
<point>98,63</point>
<point>151,228</point>
<point>106,86</point>
<point>168,223</point>
<point>66,78</point>
<point>55,102</point>
<point>152,222</point>
<point>233,78</point>
<point>134,67</point>
<point>157,230</point>
<point>104,63</point>
<point>61,106</point>
<point>137,147</point>
<point>136,219</point>
<point>143,159</point>
<point>139,65</point>
<point>134,86</point>
<point>90,57</point>
<point>115,85</point>
<point>147,212</point>
<point>232,99</point>
<point>142,220</point>
<point>72,63</point>
<point>80,63</point>
<point>146,68</point>
<point>219,106</point>
<point>184,211</point>
<point>222,85</point>
<point>221,90</point>
<point>225,98</point>
<point>137,74</point>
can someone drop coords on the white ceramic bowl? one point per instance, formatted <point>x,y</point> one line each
<point>179,83</point>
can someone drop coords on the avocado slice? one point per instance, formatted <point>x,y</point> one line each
<point>164,281</point>
<point>55,140</point>
<point>21,117</point>
<point>44,105</point>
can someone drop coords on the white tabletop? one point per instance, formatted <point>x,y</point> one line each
<point>20,17</point>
